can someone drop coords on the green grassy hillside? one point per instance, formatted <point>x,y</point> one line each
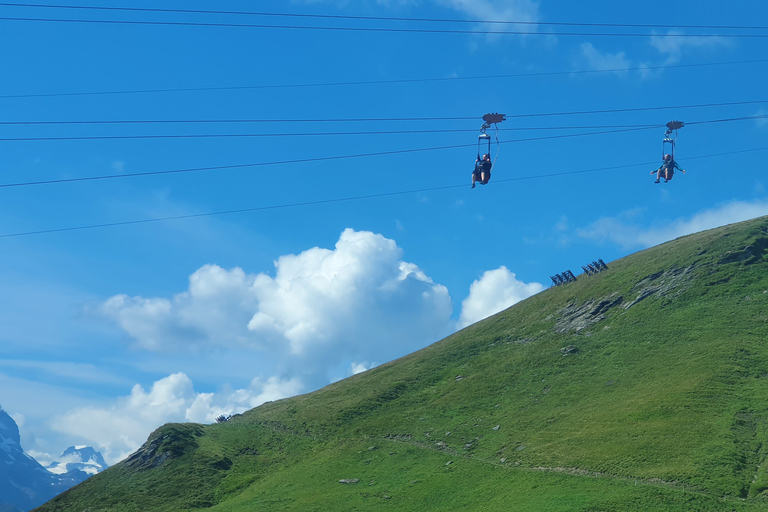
<point>662,406</point>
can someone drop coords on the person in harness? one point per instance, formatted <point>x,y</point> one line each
<point>667,169</point>
<point>482,172</point>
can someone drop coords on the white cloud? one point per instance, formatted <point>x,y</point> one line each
<point>499,10</point>
<point>672,44</point>
<point>495,291</point>
<point>600,61</point>
<point>120,428</point>
<point>79,372</point>
<point>360,367</point>
<point>323,308</point>
<point>275,389</point>
<point>595,60</point>
<point>622,230</point>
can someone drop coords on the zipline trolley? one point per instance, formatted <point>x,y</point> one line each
<point>488,121</point>
<point>670,139</point>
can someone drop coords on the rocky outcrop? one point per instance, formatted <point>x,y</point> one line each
<point>668,283</point>
<point>164,444</point>
<point>662,284</point>
<point>749,255</point>
<point>575,317</point>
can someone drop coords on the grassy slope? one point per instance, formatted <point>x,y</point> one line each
<point>663,408</point>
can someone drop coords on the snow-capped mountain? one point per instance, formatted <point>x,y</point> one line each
<point>83,458</point>
<point>24,482</point>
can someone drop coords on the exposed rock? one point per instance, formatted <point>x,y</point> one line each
<point>165,443</point>
<point>749,255</point>
<point>662,284</point>
<point>497,427</point>
<point>576,317</point>
<point>570,349</point>
<point>521,341</point>
<point>349,480</point>
<point>459,377</point>
<point>521,447</point>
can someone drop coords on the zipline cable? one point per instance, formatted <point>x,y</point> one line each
<point>343,157</point>
<point>337,134</point>
<point>300,160</point>
<point>377,18</point>
<point>297,134</point>
<point>383,119</point>
<point>376,29</point>
<point>380,82</point>
<point>343,199</point>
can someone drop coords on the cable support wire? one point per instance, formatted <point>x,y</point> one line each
<point>300,134</point>
<point>380,82</point>
<point>344,157</point>
<point>344,134</point>
<point>346,199</point>
<point>300,160</point>
<point>377,29</point>
<point>384,119</point>
<point>381,18</point>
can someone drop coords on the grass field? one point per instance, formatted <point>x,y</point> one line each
<point>662,407</point>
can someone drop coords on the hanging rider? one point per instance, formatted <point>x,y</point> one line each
<point>667,169</point>
<point>482,172</point>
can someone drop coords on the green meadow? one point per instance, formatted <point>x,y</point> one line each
<point>660,404</point>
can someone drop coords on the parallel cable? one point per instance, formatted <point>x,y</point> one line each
<point>298,161</point>
<point>298,134</point>
<point>344,199</point>
<point>345,157</point>
<point>346,134</point>
<point>379,18</point>
<point>375,29</point>
<point>380,82</point>
<point>384,119</point>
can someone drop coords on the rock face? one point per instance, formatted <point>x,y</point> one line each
<point>669,283</point>
<point>24,483</point>
<point>662,284</point>
<point>575,317</point>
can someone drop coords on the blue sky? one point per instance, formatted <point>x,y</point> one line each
<point>106,333</point>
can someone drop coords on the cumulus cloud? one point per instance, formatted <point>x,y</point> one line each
<point>672,44</point>
<point>322,308</point>
<point>120,428</point>
<point>495,291</point>
<point>628,233</point>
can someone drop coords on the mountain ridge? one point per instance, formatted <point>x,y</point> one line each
<point>24,482</point>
